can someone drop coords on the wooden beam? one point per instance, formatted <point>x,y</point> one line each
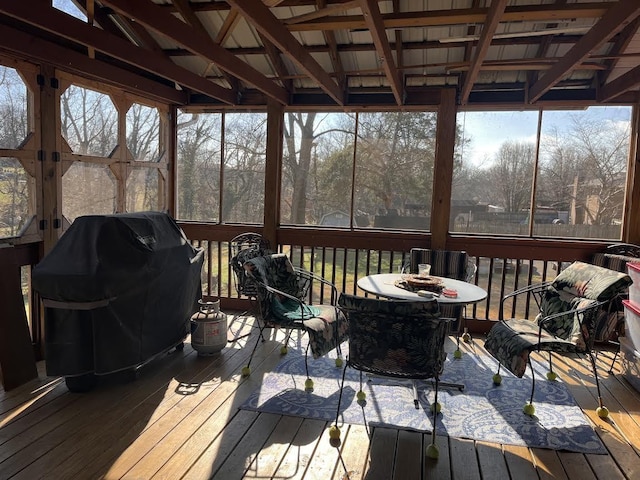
<point>462,16</point>
<point>374,22</point>
<point>59,23</point>
<point>261,18</point>
<point>543,47</point>
<point>324,10</point>
<point>619,47</point>
<point>443,169</point>
<point>332,46</point>
<point>192,19</point>
<point>630,224</point>
<point>164,23</point>
<point>34,48</point>
<point>273,171</point>
<point>616,18</point>
<point>620,85</point>
<point>276,61</point>
<point>493,19</point>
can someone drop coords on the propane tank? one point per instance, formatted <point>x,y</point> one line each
<point>209,329</point>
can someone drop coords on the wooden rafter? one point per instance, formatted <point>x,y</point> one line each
<point>373,19</point>
<point>53,20</point>
<point>620,45</point>
<point>109,21</point>
<point>614,20</point>
<point>276,61</point>
<point>80,64</point>
<point>462,16</point>
<point>620,85</point>
<point>227,27</point>
<point>468,47</point>
<point>332,46</point>
<point>324,10</point>
<point>493,19</point>
<point>192,19</point>
<point>261,18</point>
<point>544,45</point>
<point>164,23</point>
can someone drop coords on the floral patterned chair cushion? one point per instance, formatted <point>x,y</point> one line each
<point>281,293</point>
<point>395,338</point>
<point>579,290</point>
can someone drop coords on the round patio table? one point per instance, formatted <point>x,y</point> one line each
<point>384,285</point>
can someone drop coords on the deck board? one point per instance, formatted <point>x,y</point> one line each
<point>180,420</point>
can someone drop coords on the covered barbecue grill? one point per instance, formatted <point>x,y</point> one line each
<point>118,290</point>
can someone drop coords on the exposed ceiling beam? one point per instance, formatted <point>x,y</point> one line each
<point>468,46</point>
<point>55,21</point>
<point>462,16</point>
<point>373,19</point>
<point>493,19</point>
<point>614,20</point>
<point>545,44</point>
<point>164,23</point>
<point>261,18</point>
<point>332,47</point>
<point>516,65</point>
<point>620,85</point>
<point>228,26</point>
<point>407,45</point>
<point>324,10</point>
<point>276,61</point>
<point>622,42</point>
<point>33,48</point>
<point>192,19</point>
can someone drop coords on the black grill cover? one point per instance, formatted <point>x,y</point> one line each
<point>118,290</point>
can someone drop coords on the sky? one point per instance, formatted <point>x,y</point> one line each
<point>69,7</point>
<point>487,131</point>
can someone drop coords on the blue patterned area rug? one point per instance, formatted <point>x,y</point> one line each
<point>481,412</point>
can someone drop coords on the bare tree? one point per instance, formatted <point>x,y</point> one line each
<point>603,148</point>
<point>199,156</point>
<point>396,152</point>
<point>510,176</point>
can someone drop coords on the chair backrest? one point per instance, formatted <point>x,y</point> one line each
<point>578,286</point>
<point>242,248</point>
<point>615,257</point>
<point>395,338</point>
<point>277,271</point>
<point>444,263</point>
<point>613,261</point>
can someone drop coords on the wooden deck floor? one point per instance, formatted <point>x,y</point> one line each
<point>180,420</point>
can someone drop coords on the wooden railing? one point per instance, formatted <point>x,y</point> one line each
<point>503,263</point>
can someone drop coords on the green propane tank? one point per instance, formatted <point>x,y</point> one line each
<point>209,329</point>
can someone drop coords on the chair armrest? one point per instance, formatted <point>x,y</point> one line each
<point>317,278</point>
<point>576,311</point>
<point>536,289</point>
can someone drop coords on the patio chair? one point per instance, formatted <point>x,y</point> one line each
<point>241,248</point>
<point>452,264</point>
<point>282,293</point>
<point>566,322</point>
<point>394,338</point>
